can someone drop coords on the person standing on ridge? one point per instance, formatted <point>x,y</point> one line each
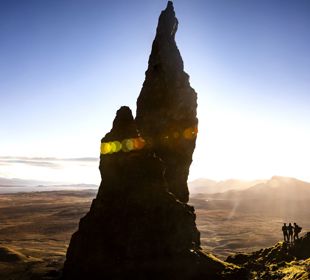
<point>285,233</point>
<point>297,230</point>
<point>290,232</point>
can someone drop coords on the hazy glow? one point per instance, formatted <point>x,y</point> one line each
<point>73,171</point>
<point>65,69</point>
<point>233,145</point>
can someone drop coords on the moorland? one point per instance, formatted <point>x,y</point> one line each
<point>36,227</point>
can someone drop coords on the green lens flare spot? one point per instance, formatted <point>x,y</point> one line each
<point>118,146</point>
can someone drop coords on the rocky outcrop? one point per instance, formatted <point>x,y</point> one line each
<point>166,107</point>
<point>282,261</point>
<point>139,225</point>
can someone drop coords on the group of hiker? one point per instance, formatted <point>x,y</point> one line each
<point>290,233</point>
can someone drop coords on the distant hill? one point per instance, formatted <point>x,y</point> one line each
<point>206,186</point>
<point>277,188</point>
<point>288,198</point>
<point>15,185</point>
<point>16,182</point>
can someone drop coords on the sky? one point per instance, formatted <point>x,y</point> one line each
<point>66,66</point>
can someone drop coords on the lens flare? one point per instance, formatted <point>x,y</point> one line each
<point>176,135</point>
<point>129,144</point>
<point>105,148</point>
<point>190,133</point>
<point>113,147</point>
<point>124,146</point>
<point>118,146</point>
<point>139,143</point>
<point>134,144</point>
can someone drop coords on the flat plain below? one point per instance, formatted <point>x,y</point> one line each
<point>36,227</point>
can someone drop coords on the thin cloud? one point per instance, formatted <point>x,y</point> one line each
<point>48,162</point>
<point>85,159</point>
<point>38,163</point>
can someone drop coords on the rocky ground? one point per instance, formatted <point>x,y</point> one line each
<point>281,261</point>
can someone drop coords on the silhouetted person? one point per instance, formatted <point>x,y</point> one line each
<point>290,232</point>
<point>285,233</point>
<point>297,230</point>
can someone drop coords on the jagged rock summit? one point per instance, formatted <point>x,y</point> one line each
<point>166,106</point>
<point>139,225</point>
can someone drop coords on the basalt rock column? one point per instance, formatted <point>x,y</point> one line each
<point>140,225</point>
<point>166,107</point>
<point>135,228</point>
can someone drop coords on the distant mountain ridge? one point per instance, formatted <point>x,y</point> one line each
<point>210,186</point>
<point>15,185</point>
<point>233,188</point>
<point>277,188</point>
<point>284,197</point>
<point>17,182</point>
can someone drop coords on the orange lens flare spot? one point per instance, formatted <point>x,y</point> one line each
<point>190,133</point>
<point>139,143</point>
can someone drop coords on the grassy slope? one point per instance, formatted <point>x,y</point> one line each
<point>281,261</point>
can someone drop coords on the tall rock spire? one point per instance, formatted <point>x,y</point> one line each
<point>139,225</point>
<point>166,106</point>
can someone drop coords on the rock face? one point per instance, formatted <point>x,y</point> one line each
<point>166,107</point>
<point>139,226</point>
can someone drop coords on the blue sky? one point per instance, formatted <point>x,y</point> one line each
<point>67,66</point>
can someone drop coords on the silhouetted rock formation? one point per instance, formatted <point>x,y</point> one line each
<point>166,107</point>
<point>139,226</point>
<point>134,223</point>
